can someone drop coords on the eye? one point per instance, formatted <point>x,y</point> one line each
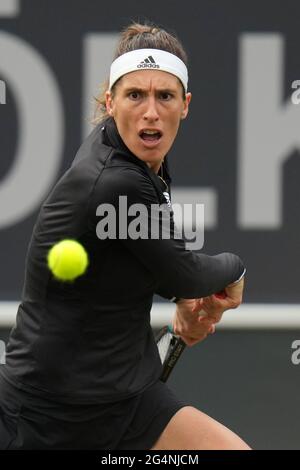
<point>166,96</point>
<point>134,95</point>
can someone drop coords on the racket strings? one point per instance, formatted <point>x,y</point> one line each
<point>164,345</point>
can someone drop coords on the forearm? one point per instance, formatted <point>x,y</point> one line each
<point>178,272</point>
<point>201,276</point>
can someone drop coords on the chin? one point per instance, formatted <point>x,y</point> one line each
<point>153,161</point>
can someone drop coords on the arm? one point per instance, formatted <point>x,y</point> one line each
<point>177,272</point>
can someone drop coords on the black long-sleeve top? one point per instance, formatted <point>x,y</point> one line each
<point>90,341</point>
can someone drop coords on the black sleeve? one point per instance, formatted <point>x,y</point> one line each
<point>178,272</point>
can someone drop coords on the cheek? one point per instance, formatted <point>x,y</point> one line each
<point>125,117</point>
<point>121,121</point>
<point>174,125</point>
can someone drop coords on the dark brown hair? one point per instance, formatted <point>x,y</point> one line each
<point>139,36</point>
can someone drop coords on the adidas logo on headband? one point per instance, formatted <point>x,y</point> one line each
<point>149,62</point>
<point>143,59</point>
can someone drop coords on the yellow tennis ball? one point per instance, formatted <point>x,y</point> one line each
<point>67,260</point>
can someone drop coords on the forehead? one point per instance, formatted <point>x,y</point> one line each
<point>149,79</point>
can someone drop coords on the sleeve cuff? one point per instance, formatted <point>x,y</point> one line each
<point>240,278</point>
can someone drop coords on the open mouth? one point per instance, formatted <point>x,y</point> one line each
<point>150,135</point>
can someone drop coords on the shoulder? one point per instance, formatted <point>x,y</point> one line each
<point>125,180</point>
<point>92,148</point>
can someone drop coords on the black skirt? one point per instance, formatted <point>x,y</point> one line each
<point>31,422</point>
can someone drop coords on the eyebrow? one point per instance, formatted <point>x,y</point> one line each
<point>143,90</point>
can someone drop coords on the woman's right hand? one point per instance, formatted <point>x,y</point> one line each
<point>196,318</point>
<point>215,305</point>
<point>191,323</point>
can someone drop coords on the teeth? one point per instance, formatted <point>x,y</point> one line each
<point>150,132</point>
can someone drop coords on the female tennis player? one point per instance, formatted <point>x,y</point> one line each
<point>82,367</point>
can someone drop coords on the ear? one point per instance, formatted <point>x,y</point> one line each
<point>186,103</point>
<point>109,103</point>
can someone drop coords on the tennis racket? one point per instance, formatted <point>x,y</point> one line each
<point>170,346</point>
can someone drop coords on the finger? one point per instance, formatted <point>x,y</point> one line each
<point>176,328</point>
<point>188,340</point>
<point>216,304</point>
<point>202,315</point>
<point>217,317</point>
<point>192,341</point>
<point>197,305</point>
<point>205,319</point>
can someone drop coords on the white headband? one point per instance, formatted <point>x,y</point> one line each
<point>148,59</point>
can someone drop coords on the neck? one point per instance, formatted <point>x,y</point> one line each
<point>155,167</point>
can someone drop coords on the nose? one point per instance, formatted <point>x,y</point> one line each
<point>151,113</point>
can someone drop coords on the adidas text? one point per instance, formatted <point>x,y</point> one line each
<point>148,66</point>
